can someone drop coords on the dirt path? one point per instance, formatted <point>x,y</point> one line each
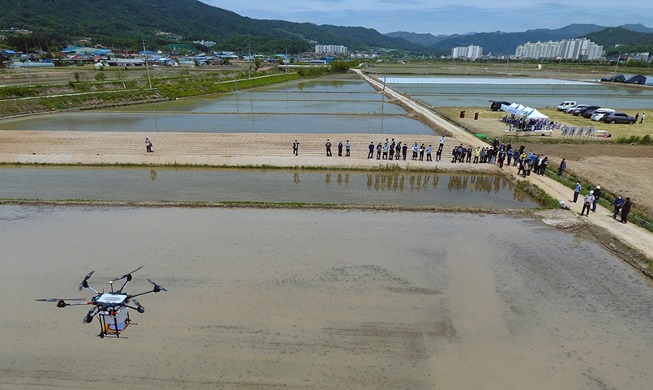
<point>630,234</point>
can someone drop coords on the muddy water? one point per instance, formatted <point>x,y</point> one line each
<point>477,91</point>
<point>322,299</point>
<point>230,185</point>
<point>298,107</point>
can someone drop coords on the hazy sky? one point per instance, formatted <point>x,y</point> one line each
<point>442,17</point>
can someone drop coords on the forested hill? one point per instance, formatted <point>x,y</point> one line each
<point>124,23</point>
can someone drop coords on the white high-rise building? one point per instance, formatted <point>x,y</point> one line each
<point>331,49</point>
<point>569,49</point>
<point>471,52</point>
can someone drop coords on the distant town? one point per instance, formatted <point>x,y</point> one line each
<point>567,49</point>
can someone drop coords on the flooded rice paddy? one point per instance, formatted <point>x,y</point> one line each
<point>322,299</point>
<point>311,299</point>
<point>331,106</point>
<point>315,106</point>
<point>478,91</point>
<point>267,186</point>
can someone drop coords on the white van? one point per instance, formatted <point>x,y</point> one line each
<point>566,104</point>
<point>598,114</point>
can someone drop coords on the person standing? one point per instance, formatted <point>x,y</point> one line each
<point>428,153</point>
<point>618,204</point>
<point>589,200</point>
<point>148,145</point>
<point>398,151</point>
<point>370,154</point>
<point>636,117</point>
<point>378,151</point>
<point>543,166</point>
<point>562,167</point>
<point>340,149</point>
<point>597,194</point>
<point>347,149</point>
<point>421,152</point>
<point>625,210</point>
<point>295,148</point>
<point>642,120</point>
<point>577,191</point>
<point>327,145</point>
<point>404,151</point>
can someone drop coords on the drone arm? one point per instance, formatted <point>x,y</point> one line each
<point>143,293</point>
<point>129,278</point>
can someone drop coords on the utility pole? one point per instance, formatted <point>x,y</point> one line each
<point>147,66</point>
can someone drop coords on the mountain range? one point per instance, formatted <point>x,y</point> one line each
<point>505,43</point>
<point>126,23</point>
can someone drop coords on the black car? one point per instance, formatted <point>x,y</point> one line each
<point>582,111</point>
<point>496,105</point>
<point>587,113</point>
<point>618,78</point>
<point>618,117</point>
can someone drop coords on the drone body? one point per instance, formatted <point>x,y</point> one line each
<point>111,308</point>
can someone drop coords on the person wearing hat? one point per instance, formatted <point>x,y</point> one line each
<point>618,204</point>
<point>597,195</point>
<point>577,191</point>
<point>589,200</point>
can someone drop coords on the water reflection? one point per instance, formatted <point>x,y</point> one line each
<point>395,182</point>
<point>228,185</point>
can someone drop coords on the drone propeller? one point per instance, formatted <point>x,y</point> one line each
<point>157,288</point>
<point>84,283</point>
<point>127,275</point>
<point>61,302</point>
<point>88,318</point>
<point>60,299</point>
<point>139,307</point>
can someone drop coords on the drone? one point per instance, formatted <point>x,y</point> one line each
<point>111,308</point>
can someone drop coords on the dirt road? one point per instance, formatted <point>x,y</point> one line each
<point>632,235</point>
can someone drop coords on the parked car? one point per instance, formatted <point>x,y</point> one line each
<point>618,117</point>
<point>618,78</point>
<point>598,114</point>
<point>570,110</point>
<point>566,104</point>
<point>496,105</point>
<point>587,112</point>
<point>580,112</point>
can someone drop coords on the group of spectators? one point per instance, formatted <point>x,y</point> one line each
<point>498,153</point>
<point>391,150</point>
<point>621,206</point>
<point>527,124</point>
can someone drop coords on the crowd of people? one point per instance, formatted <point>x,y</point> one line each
<point>529,124</point>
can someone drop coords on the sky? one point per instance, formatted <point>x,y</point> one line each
<point>441,17</point>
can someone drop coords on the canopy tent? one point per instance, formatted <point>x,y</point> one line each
<point>522,111</point>
<point>534,114</point>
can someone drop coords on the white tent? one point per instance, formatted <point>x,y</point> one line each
<point>534,114</point>
<point>522,111</point>
<point>515,109</point>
